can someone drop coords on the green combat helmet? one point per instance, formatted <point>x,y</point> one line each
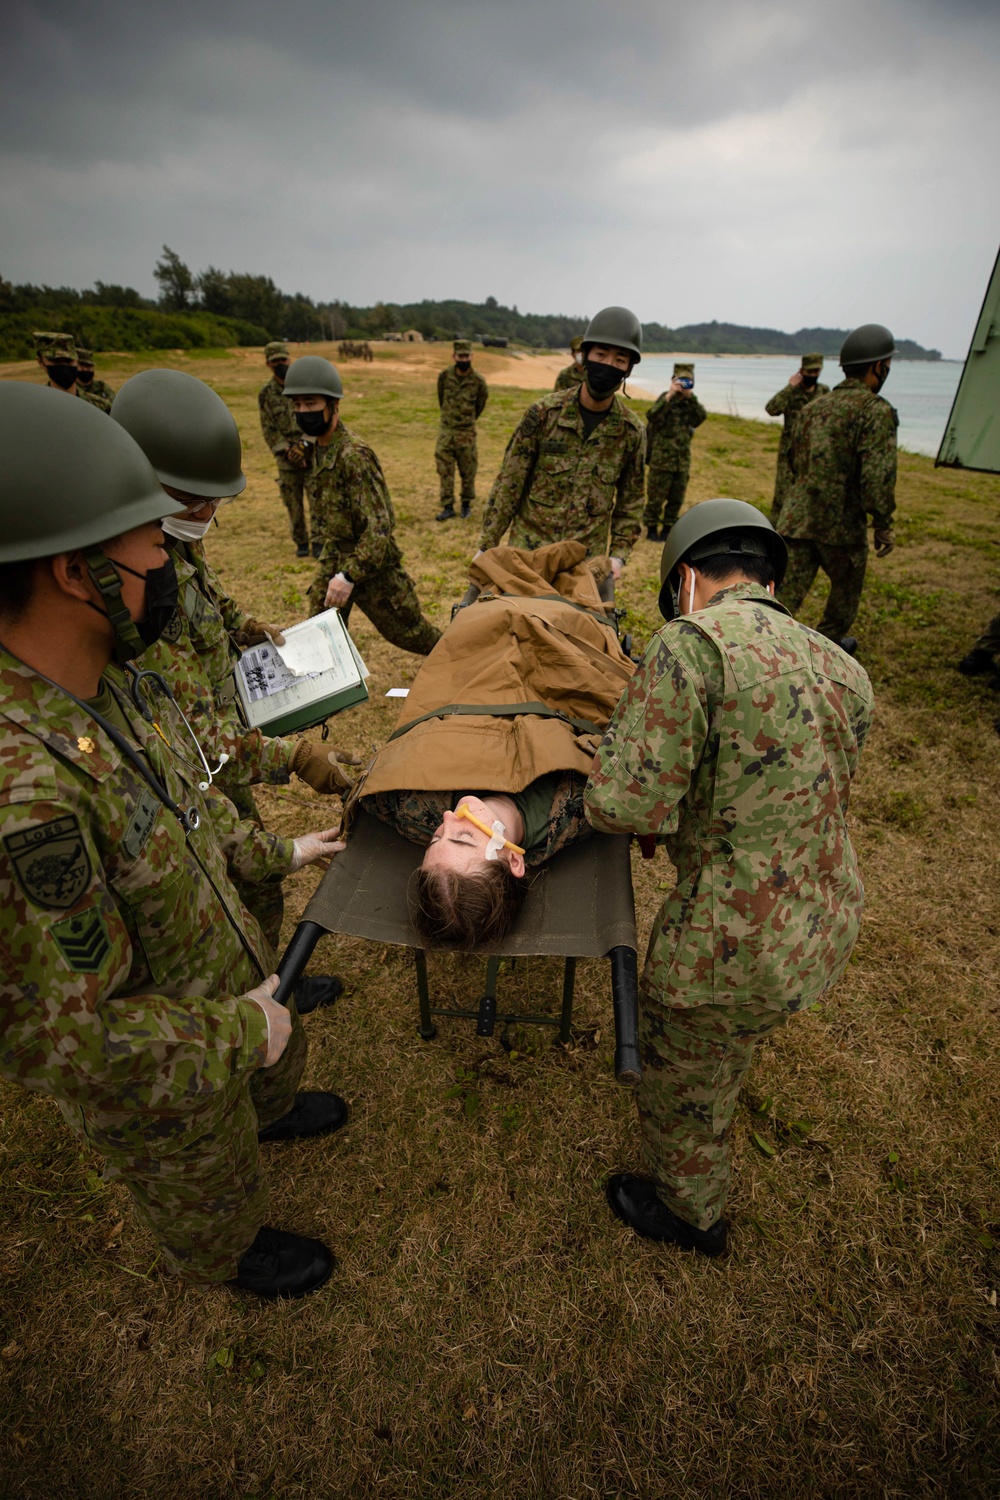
<point>690,541</point>
<point>617,326</point>
<point>185,430</point>
<point>867,345</point>
<point>312,375</point>
<point>70,480</point>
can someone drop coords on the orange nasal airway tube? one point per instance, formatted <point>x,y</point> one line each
<point>463,812</point>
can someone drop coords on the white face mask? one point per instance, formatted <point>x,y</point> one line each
<point>186,531</point>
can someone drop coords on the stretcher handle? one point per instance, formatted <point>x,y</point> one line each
<point>295,957</point>
<point>625,997</point>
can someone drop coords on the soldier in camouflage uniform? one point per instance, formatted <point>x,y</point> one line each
<point>670,421</point>
<point>87,383</point>
<point>190,437</point>
<point>735,745</point>
<point>57,355</point>
<point>137,989</point>
<point>804,386</point>
<point>843,457</point>
<point>283,437</point>
<point>572,374</point>
<point>360,562</point>
<point>573,469</point>
<point>462,395</point>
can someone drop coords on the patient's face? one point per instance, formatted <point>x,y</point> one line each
<point>458,844</point>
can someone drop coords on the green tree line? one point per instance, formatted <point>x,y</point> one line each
<point>201,309</point>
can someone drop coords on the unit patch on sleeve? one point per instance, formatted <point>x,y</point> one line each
<point>83,940</point>
<point>51,862</point>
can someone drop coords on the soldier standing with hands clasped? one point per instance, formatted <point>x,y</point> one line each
<point>804,386</point>
<point>670,421</point>
<point>573,469</point>
<point>734,744</point>
<point>462,395</point>
<point>136,989</point>
<point>284,438</point>
<point>843,457</point>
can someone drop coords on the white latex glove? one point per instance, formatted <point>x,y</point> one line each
<point>617,568</point>
<point>279,1022</point>
<point>316,846</point>
<point>338,591</point>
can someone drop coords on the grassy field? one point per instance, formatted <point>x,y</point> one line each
<point>491,1330</point>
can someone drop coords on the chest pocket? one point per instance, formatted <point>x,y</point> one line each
<point>553,479</point>
<point>165,893</point>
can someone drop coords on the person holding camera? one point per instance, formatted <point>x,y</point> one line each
<point>670,421</point>
<point>804,386</point>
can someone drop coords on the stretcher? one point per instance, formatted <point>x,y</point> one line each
<point>578,905</point>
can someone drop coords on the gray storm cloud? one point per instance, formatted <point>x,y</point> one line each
<point>773,163</point>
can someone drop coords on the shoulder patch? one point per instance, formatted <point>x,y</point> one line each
<point>83,940</point>
<point>51,862</point>
<point>172,629</point>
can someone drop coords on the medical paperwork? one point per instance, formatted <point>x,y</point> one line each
<point>316,673</point>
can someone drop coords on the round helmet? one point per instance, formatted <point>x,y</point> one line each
<point>312,375</point>
<point>70,479</point>
<point>690,540</point>
<point>867,344</point>
<point>185,430</point>
<point>617,326</point>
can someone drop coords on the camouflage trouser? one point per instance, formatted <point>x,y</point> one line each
<point>693,1062</point>
<point>390,601</point>
<point>665,491</point>
<point>264,899</point>
<point>194,1177</point>
<point>291,483</point>
<point>845,568</point>
<point>783,481</point>
<point>990,639</point>
<point>457,445</point>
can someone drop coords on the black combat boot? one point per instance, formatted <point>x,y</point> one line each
<point>317,548</point>
<point>302,550</point>
<point>466,509</point>
<point>315,990</point>
<point>849,644</point>
<point>446,513</point>
<point>311,1114</point>
<point>279,1264</point>
<point>636,1201</point>
<point>652,535</point>
<point>975,662</point>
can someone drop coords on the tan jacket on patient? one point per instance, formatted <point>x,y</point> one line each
<point>537,634</point>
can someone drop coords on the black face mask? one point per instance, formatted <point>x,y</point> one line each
<point>280,371</point>
<point>84,377</point>
<point>463,365</point>
<point>603,380</point>
<point>882,378</point>
<point>62,375</point>
<point>161,601</point>
<point>809,381</point>
<point>313,423</point>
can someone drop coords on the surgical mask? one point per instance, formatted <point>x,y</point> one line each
<point>62,375</point>
<point>603,380</point>
<point>463,365</point>
<point>313,423</point>
<point>161,601</point>
<point>280,372</point>
<point>185,530</point>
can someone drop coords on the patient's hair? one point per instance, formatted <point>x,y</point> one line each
<point>466,911</point>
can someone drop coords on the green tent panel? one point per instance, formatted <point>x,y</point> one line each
<point>972,437</point>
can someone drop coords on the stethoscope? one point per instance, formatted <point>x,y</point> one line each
<point>137,678</point>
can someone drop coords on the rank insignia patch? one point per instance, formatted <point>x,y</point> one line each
<point>51,862</point>
<point>83,940</point>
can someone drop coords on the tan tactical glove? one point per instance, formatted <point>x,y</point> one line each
<point>322,769</point>
<point>297,456</point>
<point>884,541</point>
<point>254,632</point>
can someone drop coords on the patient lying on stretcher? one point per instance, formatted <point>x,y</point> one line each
<point>488,763</point>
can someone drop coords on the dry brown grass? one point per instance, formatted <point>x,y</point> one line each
<point>491,1330</point>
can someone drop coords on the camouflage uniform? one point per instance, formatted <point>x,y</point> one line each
<point>128,959</point>
<point>63,346</point>
<point>670,422</point>
<point>570,377</point>
<point>352,512</point>
<point>97,388</point>
<point>735,743</point>
<point>196,655</point>
<point>788,403</point>
<point>844,460</point>
<point>461,399</point>
<point>280,429</point>
<point>556,484</point>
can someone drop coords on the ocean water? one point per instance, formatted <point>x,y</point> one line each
<point>921,390</point>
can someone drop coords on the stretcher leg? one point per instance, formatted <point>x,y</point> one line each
<point>426,1029</point>
<point>295,957</point>
<point>569,984</point>
<point>488,1004</point>
<point>625,998</point>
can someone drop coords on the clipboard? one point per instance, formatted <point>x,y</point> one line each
<point>318,672</point>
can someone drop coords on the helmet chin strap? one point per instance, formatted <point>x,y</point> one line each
<point>107,579</point>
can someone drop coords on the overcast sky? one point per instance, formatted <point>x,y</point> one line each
<point>775,162</point>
